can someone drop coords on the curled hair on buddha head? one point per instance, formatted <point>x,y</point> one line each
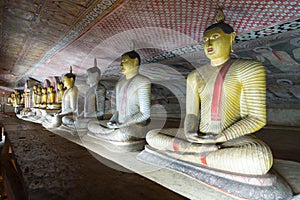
<point>133,54</point>
<point>94,69</point>
<point>70,74</point>
<point>220,18</point>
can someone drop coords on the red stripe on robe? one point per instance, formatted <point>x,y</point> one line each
<point>218,92</point>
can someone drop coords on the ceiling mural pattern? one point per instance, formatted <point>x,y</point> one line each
<point>32,28</point>
<point>42,38</point>
<point>282,28</point>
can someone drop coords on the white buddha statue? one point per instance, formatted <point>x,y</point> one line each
<point>132,114</point>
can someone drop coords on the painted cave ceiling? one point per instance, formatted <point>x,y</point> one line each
<point>42,38</point>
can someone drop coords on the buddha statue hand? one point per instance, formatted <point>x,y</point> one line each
<point>208,138</point>
<point>112,125</point>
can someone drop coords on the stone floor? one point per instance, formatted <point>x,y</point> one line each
<point>54,167</point>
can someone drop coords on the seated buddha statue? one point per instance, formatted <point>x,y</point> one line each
<point>10,99</point>
<point>50,97</point>
<point>132,114</point>
<point>22,100</point>
<point>60,92</point>
<point>44,98</point>
<point>94,101</point>
<point>34,95</point>
<point>69,103</point>
<point>225,104</point>
<point>38,96</point>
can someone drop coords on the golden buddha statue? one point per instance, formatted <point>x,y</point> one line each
<point>133,96</point>
<point>10,99</point>
<point>16,98</point>
<point>34,95</point>
<point>60,92</point>
<point>44,98</point>
<point>38,96</point>
<point>50,95</point>
<point>22,100</point>
<point>69,103</point>
<point>225,104</point>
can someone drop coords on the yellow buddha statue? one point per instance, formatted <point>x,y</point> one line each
<point>38,96</point>
<point>69,103</point>
<point>50,95</point>
<point>60,92</point>
<point>225,104</point>
<point>44,98</point>
<point>10,99</point>
<point>22,100</point>
<point>34,95</point>
<point>133,96</point>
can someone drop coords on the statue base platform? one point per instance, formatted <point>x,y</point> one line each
<point>269,186</point>
<point>73,130</point>
<point>114,146</point>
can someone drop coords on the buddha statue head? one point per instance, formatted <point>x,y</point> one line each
<point>60,86</point>
<point>130,63</point>
<point>50,89</point>
<point>218,40</point>
<point>94,74</point>
<point>69,79</point>
<point>39,90</point>
<point>44,90</point>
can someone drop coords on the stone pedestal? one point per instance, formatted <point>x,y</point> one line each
<point>269,186</point>
<point>126,146</point>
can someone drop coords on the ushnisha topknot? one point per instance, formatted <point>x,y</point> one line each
<point>70,74</point>
<point>220,18</point>
<point>95,69</point>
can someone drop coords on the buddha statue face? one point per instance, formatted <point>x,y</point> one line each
<point>217,44</point>
<point>44,91</point>
<point>16,92</point>
<point>60,86</point>
<point>129,65</point>
<point>38,90</point>
<point>92,78</point>
<point>68,82</point>
<point>50,89</point>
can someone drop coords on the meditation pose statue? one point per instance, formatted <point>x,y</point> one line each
<point>94,101</point>
<point>34,95</point>
<point>44,98</point>
<point>225,104</point>
<point>11,99</point>
<point>38,96</point>
<point>132,114</point>
<point>50,95</point>
<point>69,103</point>
<point>60,92</point>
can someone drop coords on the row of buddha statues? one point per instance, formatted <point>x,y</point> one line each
<point>42,97</point>
<point>225,105</point>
